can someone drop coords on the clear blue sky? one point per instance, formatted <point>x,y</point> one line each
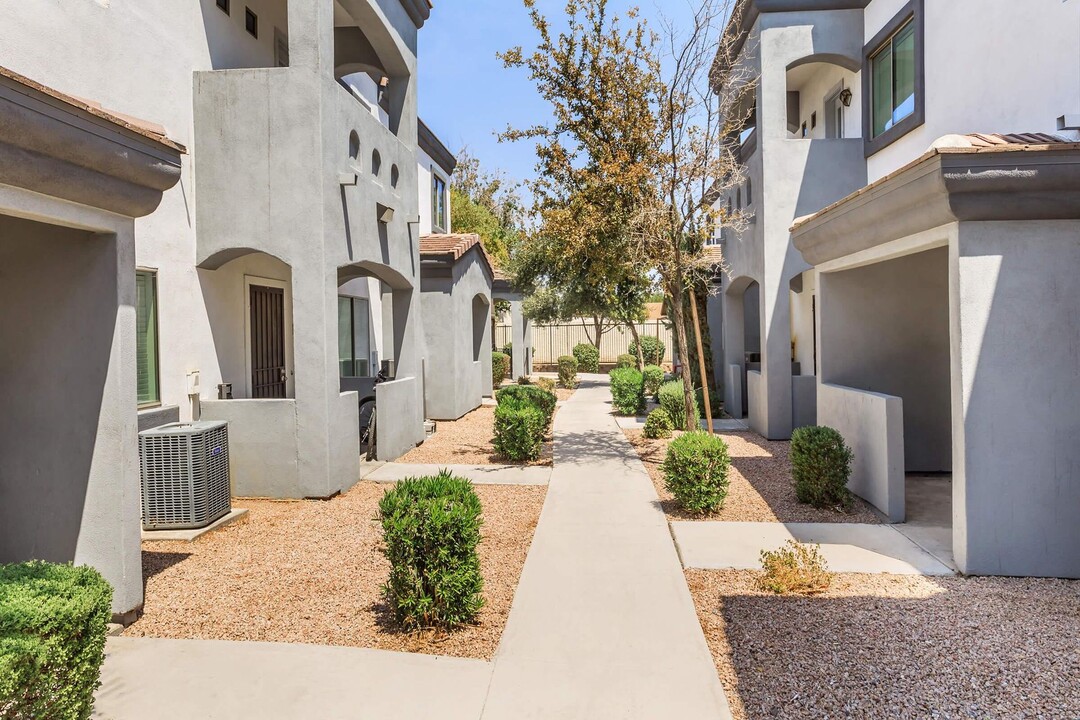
<point>466,96</point>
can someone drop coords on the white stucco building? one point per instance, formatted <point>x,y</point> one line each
<point>215,191</point>
<point>913,182</point>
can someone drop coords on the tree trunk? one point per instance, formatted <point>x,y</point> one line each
<point>680,335</point>
<point>598,323</point>
<point>637,342</point>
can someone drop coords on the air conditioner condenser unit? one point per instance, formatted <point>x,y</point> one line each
<point>185,475</point>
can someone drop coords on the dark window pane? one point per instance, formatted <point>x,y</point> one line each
<point>881,81</point>
<point>904,73</point>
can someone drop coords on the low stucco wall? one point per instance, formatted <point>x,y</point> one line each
<point>400,426</point>
<point>733,391</point>
<point>262,446</point>
<point>803,401</point>
<point>873,427</point>
<point>757,401</point>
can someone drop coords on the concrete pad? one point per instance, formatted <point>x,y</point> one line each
<point>479,474</point>
<point>217,680</point>
<point>192,535</point>
<point>847,547</point>
<point>929,515</point>
<point>719,425</point>
<point>603,625</point>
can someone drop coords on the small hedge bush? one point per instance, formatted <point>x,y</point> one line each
<point>546,383</point>
<point>654,378</point>
<point>821,467</point>
<point>53,621</point>
<point>431,527</point>
<point>627,390</point>
<point>588,357</point>
<point>696,471</point>
<point>568,367</point>
<point>671,399</point>
<point>626,361</point>
<point>528,394</point>
<point>794,569</point>
<point>716,402</point>
<point>652,349</point>
<point>500,366</point>
<point>658,424</point>
<point>519,430</point>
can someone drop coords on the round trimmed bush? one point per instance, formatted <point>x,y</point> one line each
<point>658,424</point>
<point>431,527</point>
<point>500,366</point>
<point>536,396</point>
<point>519,430</point>
<point>568,367</point>
<point>627,390</point>
<point>696,471</point>
<point>652,349</point>
<point>671,399</point>
<point>626,361</point>
<point>53,622</point>
<point>821,467</point>
<point>654,378</point>
<point>588,357</point>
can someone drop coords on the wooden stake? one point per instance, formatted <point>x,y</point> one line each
<point>701,362</point>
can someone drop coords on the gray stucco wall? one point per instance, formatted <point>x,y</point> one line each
<point>1016,390</point>
<point>456,304</point>
<point>885,329</point>
<point>69,473</point>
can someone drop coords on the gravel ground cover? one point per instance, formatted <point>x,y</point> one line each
<point>891,646</point>
<point>760,488</point>
<point>467,441</point>
<point>312,572</point>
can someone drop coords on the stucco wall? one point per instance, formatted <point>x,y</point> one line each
<point>872,426</point>
<point>802,323</point>
<point>1016,389</point>
<point>262,445</point>
<point>885,329</point>
<point>1022,85</point>
<point>69,473</point>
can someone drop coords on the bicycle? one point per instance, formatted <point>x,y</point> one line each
<point>368,421</point>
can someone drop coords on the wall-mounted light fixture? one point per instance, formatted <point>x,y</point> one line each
<point>845,97</point>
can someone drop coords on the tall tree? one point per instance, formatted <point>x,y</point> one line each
<point>486,204</point>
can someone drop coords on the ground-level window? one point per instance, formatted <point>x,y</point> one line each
<point>146,338</point>
<point>438,203</point>
<point>354,336</point>
<point>893,79</point>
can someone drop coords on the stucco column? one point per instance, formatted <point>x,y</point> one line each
<point>519,338</point>
<point>311,34</point>
<point>731,311</point>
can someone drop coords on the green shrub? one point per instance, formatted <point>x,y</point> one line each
<point>500,366</point>
<point>652,349</point>
<point>794,569</point>
<point>626,361</point>
<point>671,399</point>
<point>821,467</point>
<point>508,349</point>
<point>529,394</point>
<point>524,380</point>
<point>627,390</point>
<point>588,357</point>
<point>519,430</point>
<point>431,527</point>
<point>568,367</point>
<point>654,378</point>
<point>53,621</point>
<point>696,471</point>
<point>716,402</point>
<point>658,424</point>
<point>545,383</point>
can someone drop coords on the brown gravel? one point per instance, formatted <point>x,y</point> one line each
<point>312,572</point>
<point>890,646</point>
<point>760,488</point>
<point>467,441</point>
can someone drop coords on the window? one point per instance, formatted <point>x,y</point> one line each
<point>893,79</point>
<point>738,198</point>
<point>354,338</point>
<point>813,120</point>
<point>438,203</point>
<point>251,22</point>
<point>749,192</point>
<point>224,5</point>
<point>803,131</point>
<point>146,338</point>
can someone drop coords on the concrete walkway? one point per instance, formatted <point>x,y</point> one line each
<point>479,474</point>
<point>603,625</point>
<point>150,679</point>
<point>847,547</point>
<point>719,425</point>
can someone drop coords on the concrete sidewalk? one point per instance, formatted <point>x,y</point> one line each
<point>603,625</point>
<point>479,474</point>
<point>151,679</point>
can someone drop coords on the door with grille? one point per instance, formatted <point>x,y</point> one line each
<point>268,373</point>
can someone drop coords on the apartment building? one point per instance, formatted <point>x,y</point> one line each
<point>912,168</point>
<point>189,193</point>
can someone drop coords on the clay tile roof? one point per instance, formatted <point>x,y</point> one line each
<point>149,130</point>
<point>452,246</point>
<point>996,139</point>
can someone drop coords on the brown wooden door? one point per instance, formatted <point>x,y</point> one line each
<point>268,373</point>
